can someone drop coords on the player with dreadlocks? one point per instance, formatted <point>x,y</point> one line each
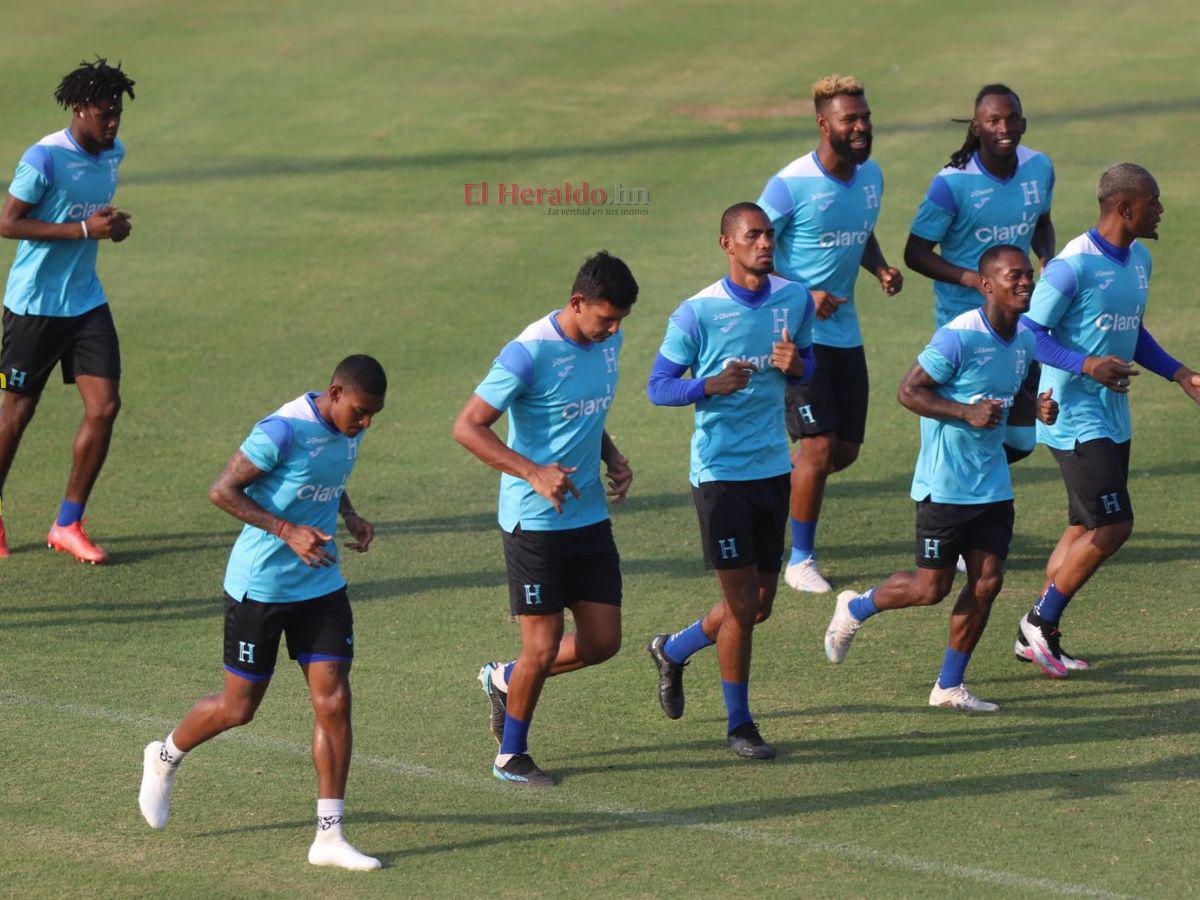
<point>993,191</point>
<point>59,206</point>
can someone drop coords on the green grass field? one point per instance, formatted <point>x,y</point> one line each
<point>296,175</point>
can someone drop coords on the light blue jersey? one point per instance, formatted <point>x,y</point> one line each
<point>557,393</point>
<point>1093,303</point>
<point>65,184</point>
<point>822,226</point>
<point>739,436</point>
<point>306,462</point>
<point>968,210</point>
<point>960,463</point>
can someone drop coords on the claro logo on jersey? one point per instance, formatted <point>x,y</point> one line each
<point>77,211</point>
<point>831,239</point>
<point>589,407</point>
<point>321,493</point>
<point>1117,322</point>
<point>999,234</point>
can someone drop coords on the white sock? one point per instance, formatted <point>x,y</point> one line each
<point>498,677</point>
<point>171,754</point>
<point>329,819</point>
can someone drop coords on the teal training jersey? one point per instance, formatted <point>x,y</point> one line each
<point>960,463</point>
<point>65,184</point>
<point>739,436</point>
<point>557,394</point>
<point>1094,304</point>
<point>305,463</point>
<point>968,210</point>
<point>821,230</point>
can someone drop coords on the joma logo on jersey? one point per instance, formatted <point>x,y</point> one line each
<point>999,234</point>
<point>562,359</point>
<point>1116,322</point>
<point>320,493</point>
<point>831,239</point>
<point>589,407</point>
<point>720,317</point>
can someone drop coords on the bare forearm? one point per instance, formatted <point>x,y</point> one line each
<point>922,258</point>
<point>1043,240</point>
<point>345,506</point>
<point>608,450</point>
<point>872,258</point>
<point>27,229</point>
<point>235,502</point>
<point>924,402</point>
<point>485,446</point>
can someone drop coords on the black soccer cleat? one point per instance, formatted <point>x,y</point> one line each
<point>670,678</point>
<point>747,743</point>
<point>522,770</point>
<point>496,697</point>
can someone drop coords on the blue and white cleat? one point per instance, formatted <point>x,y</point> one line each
<point>521,769</point>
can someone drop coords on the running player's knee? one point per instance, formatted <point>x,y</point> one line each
<point>605,648</point>
<point>844,457</point>
<point>986,588</point>
<point>105,412</point>
<point>239,711</point>
<point>18,410</point>
<point>930,594</point>
<point>1109,538</point>
<point>817,454</point>
<point>540,657</point>
<point>333,706</point>
<point>766,603</point>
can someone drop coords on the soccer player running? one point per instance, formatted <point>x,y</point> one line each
<point>993,191</point>
<point>962,386</point>
<point>287,483</point>
<point>1088,313</point>
<point>743,338</point>
<point>823,207</point>
<point>557,381</point>
<point>59,206</point>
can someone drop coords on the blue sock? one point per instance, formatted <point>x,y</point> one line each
<point>1051,604</point>
<point>862,607</point>
<point>508,667</point>
<point>685,642</point>
<point>69,513</point>
<point>515,734</point>
<point>954,664</point>
<point>804,539</point>
<point>737,702</point>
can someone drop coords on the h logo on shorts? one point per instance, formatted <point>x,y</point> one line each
<point>728,548</point>
<point>806,414</point>
<point>933,548</point>
<point>245,652</point>
<point>18,378</point>
<point>533,595</point>
<point>1112,503</point>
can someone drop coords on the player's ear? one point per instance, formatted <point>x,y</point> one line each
<point>335,392</point>
<point>726,242</point>
<point>576,302</point>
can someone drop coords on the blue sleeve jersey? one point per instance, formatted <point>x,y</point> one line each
<point>305,463</point>
<point>960,463</point>
<point>821,230</point>
<point>65,184</point>
<point>968,210</point>
<point>1093,302</point>
<point>740,436</point>
<point>557,394</point>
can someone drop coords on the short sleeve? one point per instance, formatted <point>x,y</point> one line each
<point>936,211</point>
<point>1049,188</point>
<point>34,175</point>
<point>269,443</point>
<point>1053,293</point>
<point>681,343</point>
<point>777,202</point>
<point>942,356</point>
<point>801,333</point>
<point>509,377</point>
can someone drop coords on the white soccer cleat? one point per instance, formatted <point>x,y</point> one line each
<point>842,628</point>
<point>338,853</point>
<point>958,697</point>
<point>1043,645</point>
<point>158,777</point>
<point>803,576</point>
<point>961,565</point>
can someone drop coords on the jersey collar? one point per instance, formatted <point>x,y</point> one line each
<point>75,144</point>
<point>558,328</point>
<point>834,178</point>
<point>311,397</point>
<point>745,296</point>
<point>1119,255</point>
<point>984,169</point>
<point>992,331</point>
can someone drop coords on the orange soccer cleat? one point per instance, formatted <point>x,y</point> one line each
<point>3,541</point>
<point>74,540</point>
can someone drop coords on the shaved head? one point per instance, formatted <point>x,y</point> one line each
<point>1123,181</point>
<point>734,214</point>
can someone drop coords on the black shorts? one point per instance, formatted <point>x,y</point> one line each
<point>1096,474</point>
<point>318,630</point>
<point>946,531</point>
<point>34,345</point>
<point>836,398</point>
<point>742,522</point>
<point>551,570</point>
<point>1023,412</point>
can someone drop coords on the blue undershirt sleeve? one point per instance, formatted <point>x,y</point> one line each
<point>1148,353</point>
<point>668,387</point>
<point>1052,353</point>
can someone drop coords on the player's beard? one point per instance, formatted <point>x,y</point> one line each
<point>845,151</point>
